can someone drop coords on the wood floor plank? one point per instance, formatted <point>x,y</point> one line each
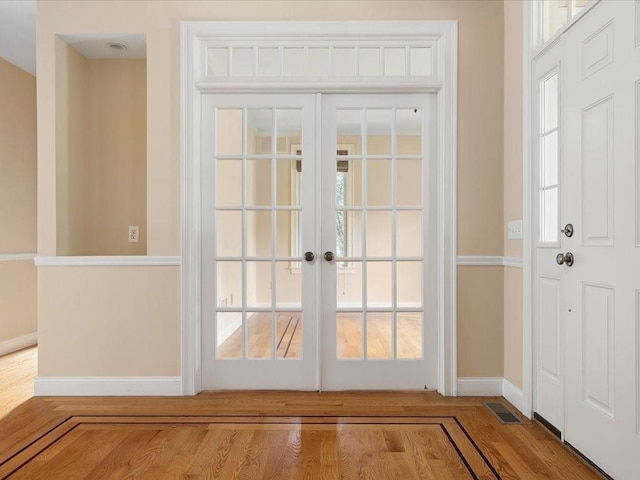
<point>271,434</point>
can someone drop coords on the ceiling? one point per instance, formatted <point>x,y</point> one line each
<point>18,38</point>
<point>95,45</point>
<point>18,33</point>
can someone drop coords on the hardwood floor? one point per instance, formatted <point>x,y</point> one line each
<point>274,435</point>
<point>379,336</point>
<point>17,372</point>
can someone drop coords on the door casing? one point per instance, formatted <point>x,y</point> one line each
<point>438,35</point>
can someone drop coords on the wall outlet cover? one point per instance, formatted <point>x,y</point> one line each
<point>134,234</point>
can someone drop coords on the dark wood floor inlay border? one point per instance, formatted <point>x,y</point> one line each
<point>472,457</point>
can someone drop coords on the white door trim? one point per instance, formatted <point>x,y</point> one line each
<point>441,37</point>
<point>529,35</point>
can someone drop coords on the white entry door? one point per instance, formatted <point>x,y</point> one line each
<point>601,97</point>
<point>318,241</point>
<point>548,291</point>
<point>587,280</point>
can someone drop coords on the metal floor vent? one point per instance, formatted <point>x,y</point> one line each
<point>503,413</point>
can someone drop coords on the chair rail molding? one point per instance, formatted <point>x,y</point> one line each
<point>488,261</point>
<point>12,257</point>
<point>109,261</point>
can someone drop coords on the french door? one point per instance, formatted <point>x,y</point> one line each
<point>318,267</point>
<point>378,326</point>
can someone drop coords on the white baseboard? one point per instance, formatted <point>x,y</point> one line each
<point>480,386</point>
<point>18,343</point>
<point>515,396</point>
<point>107,386</point>
<point>229,330</point>
<point>493,387</point>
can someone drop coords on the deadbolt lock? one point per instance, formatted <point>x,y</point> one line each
<point>567,230</point>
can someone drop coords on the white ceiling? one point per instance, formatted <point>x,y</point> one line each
<point>95,45</point>
<point>18,38</point>
<point>18,33</point>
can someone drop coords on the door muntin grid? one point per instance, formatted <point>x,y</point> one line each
<point>379,278</point>
<point>259,298</point>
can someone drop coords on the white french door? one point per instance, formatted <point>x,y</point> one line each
<point>318,252</point>
<point>587,285</point>
<point>259,298</point>
<point>378,315</point>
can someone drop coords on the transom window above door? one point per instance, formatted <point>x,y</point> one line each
<point>320,60</point>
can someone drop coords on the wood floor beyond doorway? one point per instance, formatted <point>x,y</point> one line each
<point>349,336</point>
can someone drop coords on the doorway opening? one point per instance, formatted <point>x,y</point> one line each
<point>296,273</point>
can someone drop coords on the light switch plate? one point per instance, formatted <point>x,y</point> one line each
<point>514,229</point>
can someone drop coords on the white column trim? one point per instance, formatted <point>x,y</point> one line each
<point>18,343</point>
<point>107,386</point>
<point>108,261</point>
<point>9,257</point>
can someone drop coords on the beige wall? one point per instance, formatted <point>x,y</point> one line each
<point>513,152</point>
<point>72,151</point>
<point>111,321</point>
<point>17,299</point>
<point>17,160</point>
<point>101,139</point>
<point>480,313</point>
<point>513,330</point>
<point>118,148</point>
<point>480,145</point>
<point>17,201</point>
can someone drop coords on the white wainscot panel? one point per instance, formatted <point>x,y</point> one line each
<point>597,173</point>
<point>598,346</point>
<point>597,50</point>
<point>549,326</point>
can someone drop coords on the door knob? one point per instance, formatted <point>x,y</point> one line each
<point>328,256</point>
<point>567,230</point>
<point>309,256</point>
<point>565,258</point>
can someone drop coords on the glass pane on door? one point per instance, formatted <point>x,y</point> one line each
<point>259,210</point>
<point>377,235</point>
<point>262,226</point>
